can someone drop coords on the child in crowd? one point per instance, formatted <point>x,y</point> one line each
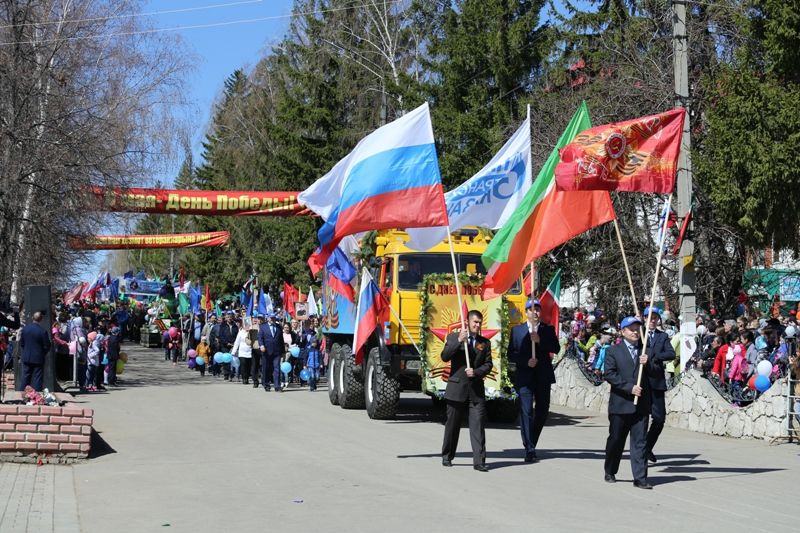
<point>313,360</point>
<point>203,350</point>
<point>93,358</point>
<point>600,359</point>
<point>739,370</point>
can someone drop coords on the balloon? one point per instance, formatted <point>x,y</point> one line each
<point>227,358</point>
<point>305,374</point>
<point>286,367</point>
<point>751,383</point>
<point>762,383</point>
<point>790,332</point>
<point>92,336</point>
<point>761,343</point>
<point>764,368</point>
<point>192,354</point>
<point>217,357</point>
<point>151,312</point>
<point>105,360</point>
<point>120,366</point>
<point>123,356</point>
<point>295,351</point>
<point>192,363</point>
<point>235,363</point>
<point>199,361</point>
<point>173,332</point>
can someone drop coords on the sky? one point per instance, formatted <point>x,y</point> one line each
<point>245,30</point>
<point>237,34</point>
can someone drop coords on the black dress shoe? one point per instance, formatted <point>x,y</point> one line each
<point>651,457</point>
<point>642,485</point>
<point>610,478</point>
<point>530,457</point>
<point>481,468</point>
<point>447,462</point>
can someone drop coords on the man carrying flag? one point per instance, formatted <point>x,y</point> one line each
<point>530,347</point>
<point>638,155</point>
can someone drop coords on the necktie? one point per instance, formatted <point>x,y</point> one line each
<point>472,341</point>
<point>633,352</point>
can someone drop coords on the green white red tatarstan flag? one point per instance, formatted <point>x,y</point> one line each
<point>545,218</point>
<point>551,301</point>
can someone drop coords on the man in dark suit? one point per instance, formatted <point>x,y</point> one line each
<point>35,344</point>
<point>530,347</point>
<point>465,390</point>
<point>621,372</point>
<point>270,342</point>
<point>660,350</point>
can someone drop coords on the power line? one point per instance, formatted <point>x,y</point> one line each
<point>192,27</point>
<point>128,15</point>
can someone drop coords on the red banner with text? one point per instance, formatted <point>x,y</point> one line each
<point>196,202</point>
<point>135,242</point>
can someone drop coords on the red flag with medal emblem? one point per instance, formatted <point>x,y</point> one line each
<point>638,155</point>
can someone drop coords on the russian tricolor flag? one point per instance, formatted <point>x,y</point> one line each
<point>371,305</point>
<point>340,273</point>
<point>390,180</point>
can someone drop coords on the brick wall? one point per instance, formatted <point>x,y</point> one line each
<point>51,434</point>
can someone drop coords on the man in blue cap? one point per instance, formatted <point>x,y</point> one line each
<point>624,417</point>
<point>530,347</point>
<point>660,350</point>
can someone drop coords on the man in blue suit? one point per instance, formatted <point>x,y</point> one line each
<point>270,342</point>
<point>35,344</point>
<point>531,345</point>
<point>624,417</point>
<point>660,350</point>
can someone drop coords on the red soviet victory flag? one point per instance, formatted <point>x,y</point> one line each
<point>638,155</point>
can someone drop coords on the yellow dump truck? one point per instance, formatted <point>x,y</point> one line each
<point>424,309</point>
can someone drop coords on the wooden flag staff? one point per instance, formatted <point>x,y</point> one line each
<point>458,294</point>
<point>662,237</point>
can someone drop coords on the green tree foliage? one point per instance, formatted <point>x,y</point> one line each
<point>484,58</point>
<point>343,70</point>
<point>750,152</point>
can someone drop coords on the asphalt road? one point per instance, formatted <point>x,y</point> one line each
<point>177,452</point>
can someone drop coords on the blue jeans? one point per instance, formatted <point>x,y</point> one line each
<point>313,378</point>
<point>91,374</point>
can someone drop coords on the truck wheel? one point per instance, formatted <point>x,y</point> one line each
<point>351,389</point>
<point>381,391</point>
<point>503,411</point>
<point>333,370</point>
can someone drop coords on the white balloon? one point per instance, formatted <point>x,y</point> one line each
<point>790,332</point>
<point>764,368</point>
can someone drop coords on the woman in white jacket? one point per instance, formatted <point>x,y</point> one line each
<point>243,349</point>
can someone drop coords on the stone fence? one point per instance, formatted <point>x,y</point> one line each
<point>693,404</point>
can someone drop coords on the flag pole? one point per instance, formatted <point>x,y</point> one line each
<point>627,269</point>
<point>458,293</point>
<point>663,237</point>
<point>402,326</point>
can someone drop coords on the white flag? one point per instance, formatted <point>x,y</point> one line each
<point>312,303</point>
<point>489,197</point>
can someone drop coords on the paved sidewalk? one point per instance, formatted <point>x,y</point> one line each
<point>179,452</point>
<point>37,498</point>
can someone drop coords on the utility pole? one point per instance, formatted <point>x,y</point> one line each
<point>686,272</point>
